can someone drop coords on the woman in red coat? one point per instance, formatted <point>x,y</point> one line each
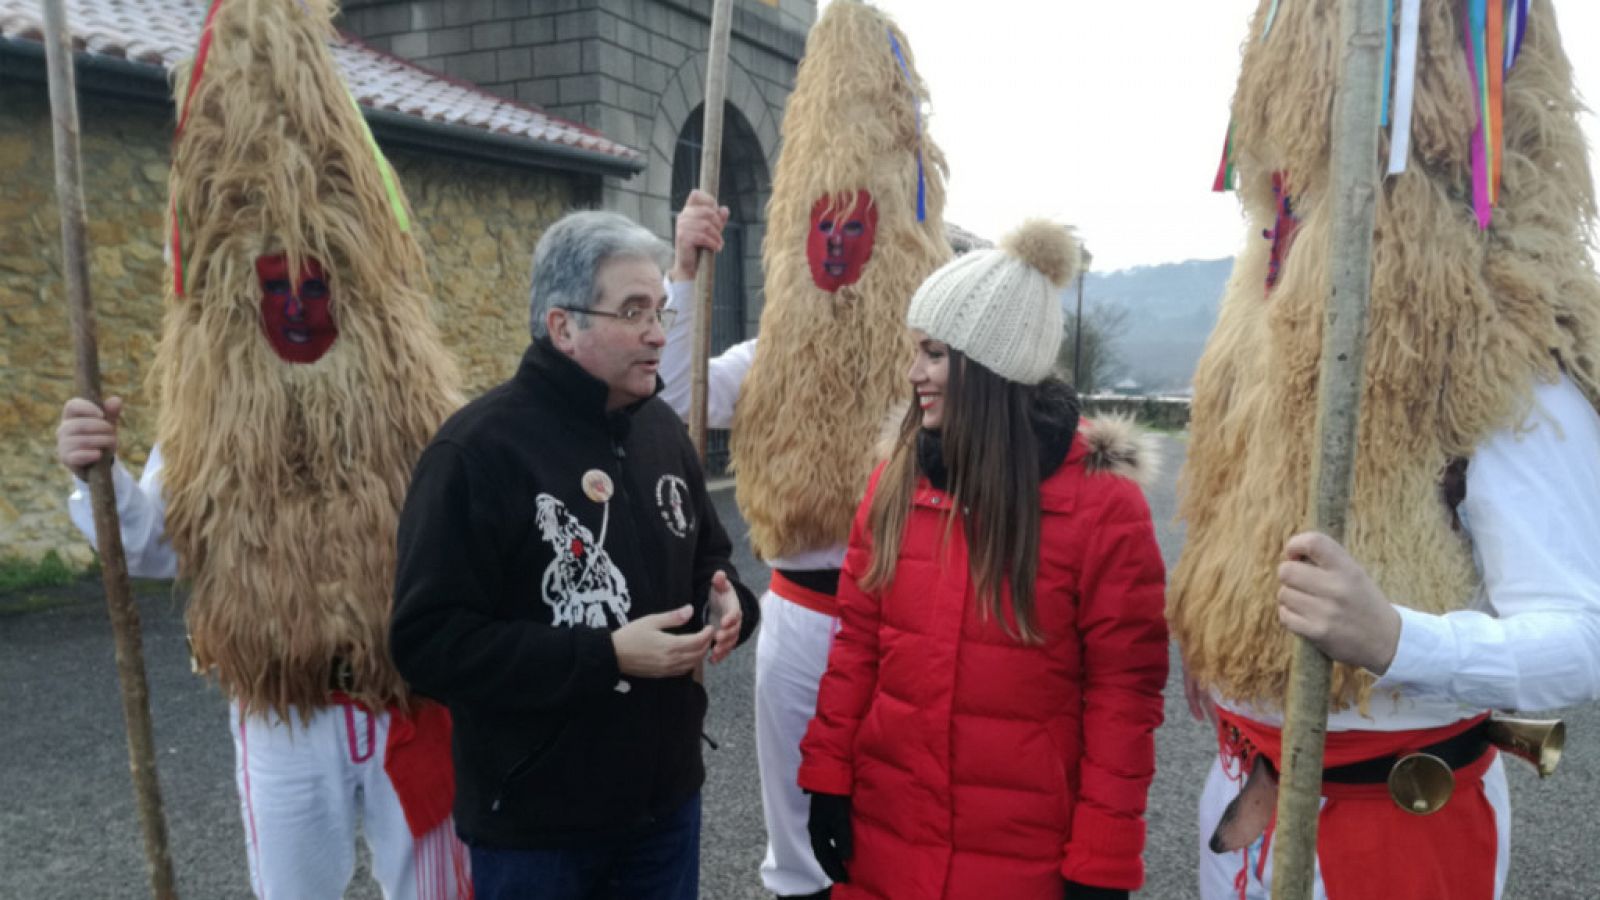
<point>985,726</point>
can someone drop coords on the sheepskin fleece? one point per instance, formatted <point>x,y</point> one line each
<point>1462,324</point>
<point>283,482</point>
<point>831,365</point>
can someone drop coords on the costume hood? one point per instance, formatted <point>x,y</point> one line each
<point>283,480</point>
<point>832,358</point>
<point>1464,321</point>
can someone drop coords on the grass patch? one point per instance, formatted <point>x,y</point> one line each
<point>23,603</point>
<point>47,571</point>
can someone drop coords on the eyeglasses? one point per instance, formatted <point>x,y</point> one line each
<point>639,317</point>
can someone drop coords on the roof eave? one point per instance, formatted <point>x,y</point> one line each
<point>124,79</point>
<point>106,76</point>
<point>393,129</point>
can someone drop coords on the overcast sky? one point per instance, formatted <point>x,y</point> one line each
<point>1109,116</point>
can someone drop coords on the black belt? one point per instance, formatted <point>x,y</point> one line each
<point>823,581</point>
<point>1457,752</point>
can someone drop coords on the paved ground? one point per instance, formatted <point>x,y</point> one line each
<point>68,828</point>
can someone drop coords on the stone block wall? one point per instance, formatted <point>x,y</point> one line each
<point>609,64</point>
<point>477,224</point>
<point>633,69</point>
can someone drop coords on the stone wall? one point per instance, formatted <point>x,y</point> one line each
<point>477,223</point>
<point>635,70</point>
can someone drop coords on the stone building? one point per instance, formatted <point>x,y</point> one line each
<point>572,112</point>
<point>635,70</point>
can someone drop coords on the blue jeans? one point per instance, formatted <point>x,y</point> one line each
<point>660,864</point>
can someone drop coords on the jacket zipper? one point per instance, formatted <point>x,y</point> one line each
<point>626,492</point>
<point>520,767</point>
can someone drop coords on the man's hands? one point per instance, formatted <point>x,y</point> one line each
<point>1327,598</point>
<point>646,649</point>
<point>86,433</point>
<point>699,228</point>
<point>724,615</point>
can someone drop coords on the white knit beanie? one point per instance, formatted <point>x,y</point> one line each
<point>1001,306</point>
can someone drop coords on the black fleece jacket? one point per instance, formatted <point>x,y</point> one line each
<point>511,578</point>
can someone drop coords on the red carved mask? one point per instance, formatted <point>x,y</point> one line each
<point>294,311</point>
<point>839,244</point>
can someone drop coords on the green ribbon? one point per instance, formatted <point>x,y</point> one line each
<point>389,184</point>
<point>1272,15</point>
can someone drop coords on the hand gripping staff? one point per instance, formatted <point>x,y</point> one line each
<point>113,565</point>
<point>710,182</point>
<point>1356,112</point>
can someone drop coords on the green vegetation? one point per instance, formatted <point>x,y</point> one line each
<point>48,571</point>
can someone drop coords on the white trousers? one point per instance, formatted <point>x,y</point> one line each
<point>302,788</point>
<point>1219,871</point>
<point>791,655</point>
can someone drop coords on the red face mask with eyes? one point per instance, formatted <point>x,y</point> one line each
<point>840,242</point>
<point>294,311</point>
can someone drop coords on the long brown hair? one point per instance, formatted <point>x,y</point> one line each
<point>991,457</point>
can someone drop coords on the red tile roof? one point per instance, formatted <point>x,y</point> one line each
<point>164,32</point>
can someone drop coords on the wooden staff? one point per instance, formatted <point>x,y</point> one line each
<point>710,182</point>
<point>113,565</point>
<point>1354,186</point>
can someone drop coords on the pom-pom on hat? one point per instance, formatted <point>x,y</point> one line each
<point>1001,306</point>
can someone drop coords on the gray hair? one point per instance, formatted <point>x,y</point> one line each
<point>570,255</point>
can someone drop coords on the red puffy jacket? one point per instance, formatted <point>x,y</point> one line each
<point>978,766</point>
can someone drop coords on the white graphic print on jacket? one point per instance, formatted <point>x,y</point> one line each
<point>581,585</point>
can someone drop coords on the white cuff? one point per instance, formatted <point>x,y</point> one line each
<point>1426,649</point>
<point>121,483</point>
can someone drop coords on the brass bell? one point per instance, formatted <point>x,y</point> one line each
<point>1421,783</point>
<point>1539,741</point>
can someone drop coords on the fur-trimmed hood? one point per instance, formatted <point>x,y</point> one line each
<point>1119,446</point>
<point>1116,444</point>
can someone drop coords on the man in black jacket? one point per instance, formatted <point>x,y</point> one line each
<point>562,573</point>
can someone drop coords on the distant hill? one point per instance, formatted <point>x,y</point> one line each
<point>1168,312</point>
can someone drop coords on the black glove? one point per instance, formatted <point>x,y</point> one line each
<point>1076,891</point>
<point>829,824</point>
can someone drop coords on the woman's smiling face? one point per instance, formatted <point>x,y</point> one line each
<point>930,372</point>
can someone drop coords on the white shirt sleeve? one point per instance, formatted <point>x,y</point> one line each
<point>1532,510</point>
<point>725,373</point>
<point>142,511</point>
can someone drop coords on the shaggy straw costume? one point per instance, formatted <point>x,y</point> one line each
<point>831,365</point>
<point>1463,324</point>
<point>283,481</point>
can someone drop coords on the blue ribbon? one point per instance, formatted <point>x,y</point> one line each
<point>922,184</point>
<point>1388,60</point>
<point>1521,15</point>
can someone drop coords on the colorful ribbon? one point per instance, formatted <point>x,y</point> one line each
<point>179,271</point>
<point>1272,16</point>
<point>1516,29</point>
<point>1484,23</point>
<point>922,184</point>
<point>1405,85</point>
<point>1227,177</point>
<point>396,204</point>
<point>1388,60</point>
